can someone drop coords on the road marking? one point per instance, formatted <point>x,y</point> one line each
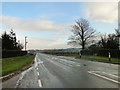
<point>35,62</point>
<point>40,62</point>
<point>38,73</point>
<point>104,77</point>
<point>22,75</point>
<point>39,83</point>
<point>63,62</point>
<point>6,75</point>
<point>69,64</point>
<point>37,68</point>
<point>107,73</point>
<point>111,74</point>
<point>78,65</point>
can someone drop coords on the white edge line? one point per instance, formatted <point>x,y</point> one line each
<point>36,64</point>
<point>21,76</point>
<point>6,75</point>
<point>39,83</point>
<point>104,77</point>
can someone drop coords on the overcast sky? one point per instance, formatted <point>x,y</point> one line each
<point>48,24</point>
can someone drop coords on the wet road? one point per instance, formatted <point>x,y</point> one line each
<point>66,72</point>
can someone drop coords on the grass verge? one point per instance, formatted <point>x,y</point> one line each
<point>15,63</point>
<point>101,58</point>
<point>91,57</point>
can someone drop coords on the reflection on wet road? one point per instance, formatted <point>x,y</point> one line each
<point>67,72</point>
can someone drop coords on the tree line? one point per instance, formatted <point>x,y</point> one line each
<point>85,36</point>
<point>9,41</point>
<point>11,47</point>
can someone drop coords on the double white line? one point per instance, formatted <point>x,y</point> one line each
<point>93,72</point>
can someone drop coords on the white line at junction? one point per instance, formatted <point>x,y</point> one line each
<point>111,74</point>
<point>104,77</point>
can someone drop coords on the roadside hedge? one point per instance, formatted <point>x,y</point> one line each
<point>62,53</point>
<point>113,52</point>
<point>9,53</point>
<point>103,52</point>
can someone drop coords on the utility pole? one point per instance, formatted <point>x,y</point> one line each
<point>25,42</point>
<point>119,39</point>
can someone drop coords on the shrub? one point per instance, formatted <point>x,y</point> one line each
<point>103,52</point>
<point>113,52</point>
<point>11,53</point>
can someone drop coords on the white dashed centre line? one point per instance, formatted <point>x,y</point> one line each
<point>37,68</point>
<point>78,65</point>
<point>38,73</point>
<point>39,83</point>
<point>69,65</point>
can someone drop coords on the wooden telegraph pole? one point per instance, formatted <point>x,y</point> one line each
<point>25,42</point>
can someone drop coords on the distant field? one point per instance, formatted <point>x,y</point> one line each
<point>15,63</point>
<point>91,57</point>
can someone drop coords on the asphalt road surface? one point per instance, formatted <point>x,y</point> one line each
<point>67,72</point>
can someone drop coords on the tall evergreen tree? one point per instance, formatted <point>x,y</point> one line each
<point>9,41</point>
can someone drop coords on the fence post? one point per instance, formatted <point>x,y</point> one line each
<point>80,54</point>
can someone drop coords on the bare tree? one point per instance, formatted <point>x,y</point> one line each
<point>83,34</point>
